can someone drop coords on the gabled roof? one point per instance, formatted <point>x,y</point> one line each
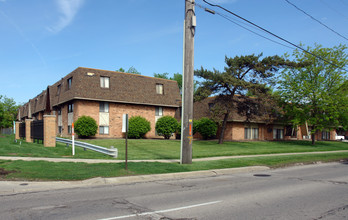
<point>203,109</point>
<point>123,88</point>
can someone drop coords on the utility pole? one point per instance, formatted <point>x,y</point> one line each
<point>187,94</point>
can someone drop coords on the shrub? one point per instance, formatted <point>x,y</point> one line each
<point>178,131</point>
<point>138,127</point>
<point>85,126</point>
<point>166,126</point>
<point>207,128</point>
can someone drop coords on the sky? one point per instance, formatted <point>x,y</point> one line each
<point>42,41</point>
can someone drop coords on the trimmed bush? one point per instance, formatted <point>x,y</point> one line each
<point>194,125</point>
<point>85,126</point>
<point>166,126</point>
<point>138,127</point>
<point>207,128</point>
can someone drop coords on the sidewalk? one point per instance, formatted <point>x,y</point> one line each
<point>14,187</point>
<point>159,160</point>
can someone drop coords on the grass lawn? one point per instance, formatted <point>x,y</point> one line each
<point>170,149</point>
<point>153,149</point>
<point>42,170</point>
<point>165,149</point>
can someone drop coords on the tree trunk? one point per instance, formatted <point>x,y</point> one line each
<point>223,127</point>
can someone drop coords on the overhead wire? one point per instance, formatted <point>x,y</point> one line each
<point>274,35</point>
<point>316,19</point>
<point>236,23</point>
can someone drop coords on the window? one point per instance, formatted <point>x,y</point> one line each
<point>69,83</point>
<point>325,135</point>
<point>159,111</point>
<point>278,133</point>
<point>69,129</point>
<point>159,89</point>
<point>59,111</point>
<point>104,82</point>
<point>103,107</point>
<point>71,108</point>
<point>58,89</point>
<point>251,133</point>
<point>103,129</point>
<point>59,129</point>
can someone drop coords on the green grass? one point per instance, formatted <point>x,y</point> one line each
<point>8,147</point>
<point>165,149</point>
<point>170,149</point>
<point>154,149</point>
<point>42,170</point>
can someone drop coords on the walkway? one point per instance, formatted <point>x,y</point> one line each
<point>159,160</point>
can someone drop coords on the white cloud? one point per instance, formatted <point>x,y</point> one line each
<point>68,9</point>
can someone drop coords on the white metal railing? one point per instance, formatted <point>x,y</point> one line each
<point>108,151</point>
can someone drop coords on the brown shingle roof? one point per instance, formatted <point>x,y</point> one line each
<point>202,109</point>
<point>123,88</point>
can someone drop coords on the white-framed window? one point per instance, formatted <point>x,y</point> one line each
<point>58,89</point>
<point>103,107</point>
<point>159,89</point>
<point>325,135</point>
<point>69,83</point>
<point>104,82</point>
<point>60,128</point>
<point>278,133</point>
<point>251,133</point>
<point>69,129</point>
<point>70,108</point>
<point>103,129</point>
<point>159,111</point>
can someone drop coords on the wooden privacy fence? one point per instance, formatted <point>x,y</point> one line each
<point>37,130</point>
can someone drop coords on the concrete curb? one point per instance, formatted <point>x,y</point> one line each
<point>14,187</point>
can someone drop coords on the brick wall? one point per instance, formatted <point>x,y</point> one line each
<point>49,130</point>
<point>116,111</point>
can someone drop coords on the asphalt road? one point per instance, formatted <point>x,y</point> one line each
<point>301,192</point>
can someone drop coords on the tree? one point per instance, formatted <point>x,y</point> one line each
<point>316,93</point>
<point>138,127</point>
<point>130,70</point>
<point>8,111</point>
<point>85,126</point>
<point>176,77</point>
<point>161,75</point>
<point>242,74</point>
<point>166,126</point>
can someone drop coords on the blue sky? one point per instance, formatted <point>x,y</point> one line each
<point>41,41</point>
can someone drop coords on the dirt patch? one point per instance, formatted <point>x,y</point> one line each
<point>4,172</point>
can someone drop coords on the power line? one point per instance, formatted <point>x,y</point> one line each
<point>263,29</point>
<point>232,20</point>
<point>316,20</point>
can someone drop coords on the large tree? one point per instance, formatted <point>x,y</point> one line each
<point>242,75</point>
<point>8,112</point>
<point>316,94</point>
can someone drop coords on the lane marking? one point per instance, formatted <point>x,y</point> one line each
<point>161,211</point>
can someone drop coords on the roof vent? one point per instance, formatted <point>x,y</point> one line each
<point>90,74</point>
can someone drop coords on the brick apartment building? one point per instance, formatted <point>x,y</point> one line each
<point>105,96</point>
<point>260,127</point>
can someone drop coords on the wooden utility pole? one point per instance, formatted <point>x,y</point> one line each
<point>187,94</point>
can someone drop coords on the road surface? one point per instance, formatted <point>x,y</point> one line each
<point>302,192</point>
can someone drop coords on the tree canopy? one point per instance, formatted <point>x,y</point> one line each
<point>130,70</point>
<point>242,75</point>
<point>317,92</point>
<point>8,111</point>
